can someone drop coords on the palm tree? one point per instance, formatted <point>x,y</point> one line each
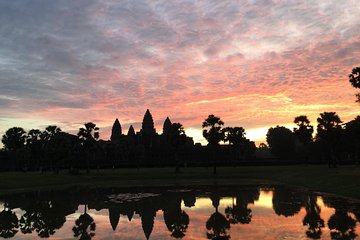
<point>354,79</point>
<point>48,137</point>
<point>88,136</point>
<point>329,133</point>
<point>35,142</point>
<point>213,133</point>
<point>236,137</point>
<point>213,129</point>
<point>304,130</point>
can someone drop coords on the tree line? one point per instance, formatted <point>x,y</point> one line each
<point>333,141</point>
<point>49,148</point>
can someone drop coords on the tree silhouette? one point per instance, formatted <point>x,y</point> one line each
<point>8,224</point>
<point>84,226</point>
<point>14,138</point>
<point>59,149</point>
<point>234,135</point>
<point>48,144</point>
<point>281,141</point>
<point>312,218</point>
<point>213,133</point>
<point>304,130</point>
<point>352,131</point>
<point>50,132</point>
<point>35,142</point>
<point>213,129</point>
<point>329,133</point>
<point>88,136</point>
<point>354,79</point>
<point>33,137</point>
<point>327,122</point>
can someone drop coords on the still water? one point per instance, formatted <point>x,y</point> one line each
<point>216,212</point>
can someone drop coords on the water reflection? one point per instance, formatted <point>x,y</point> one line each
<point>207,213</point>
<point>84,226</point>
<point>312,218</point>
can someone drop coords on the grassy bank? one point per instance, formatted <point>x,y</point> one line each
<point>344,180</point>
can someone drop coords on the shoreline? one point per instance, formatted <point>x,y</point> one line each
<point>342,181</point>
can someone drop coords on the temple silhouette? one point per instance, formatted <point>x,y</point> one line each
<point>145,147</point>
<point>147,136</point>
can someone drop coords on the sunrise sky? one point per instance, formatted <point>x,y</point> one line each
<point>256,64</point>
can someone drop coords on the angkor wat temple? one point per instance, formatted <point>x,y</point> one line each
<point>149,148</point>
<point>145,148</point>
<point>147,136</point>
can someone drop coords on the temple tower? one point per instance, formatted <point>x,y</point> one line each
<point>148,124</point>
<point>166,126</point>
<point>131,132</point>
<point>116,131</point>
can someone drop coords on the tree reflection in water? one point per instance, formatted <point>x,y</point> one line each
<point>312,218</point>
<point>176,220</point>
<point>217,225</point>
<point>341,223</point>
<point>287,202</point>
<point>239,212</point>
<point>84,226</point>
<point>8,223</point>
<point>44,213</point>
<point>44,217</point>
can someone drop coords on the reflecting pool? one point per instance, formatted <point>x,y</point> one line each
<point>209,212</point>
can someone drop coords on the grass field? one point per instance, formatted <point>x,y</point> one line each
<point>344,180</point>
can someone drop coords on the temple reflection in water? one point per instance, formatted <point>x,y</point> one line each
<point>243,212</point>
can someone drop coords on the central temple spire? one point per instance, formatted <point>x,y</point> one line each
<point>148,124</point>
<point>116,131</point>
